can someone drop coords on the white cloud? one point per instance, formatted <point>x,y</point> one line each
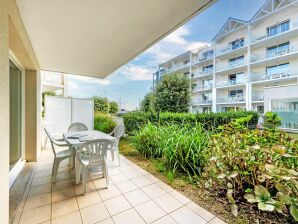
<point>136,72</point>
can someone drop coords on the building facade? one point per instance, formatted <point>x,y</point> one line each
<point>250,65</point>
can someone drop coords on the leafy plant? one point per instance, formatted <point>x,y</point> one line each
<point>113,108</point>
<point>101,104</point>
<point>272,121</point>
<point>104,123</point>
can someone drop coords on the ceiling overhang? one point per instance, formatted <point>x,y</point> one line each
<point>96,37</point>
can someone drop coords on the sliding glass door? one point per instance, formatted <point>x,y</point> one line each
<point>15,85</point>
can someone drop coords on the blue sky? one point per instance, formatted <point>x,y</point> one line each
<point>133,80</point>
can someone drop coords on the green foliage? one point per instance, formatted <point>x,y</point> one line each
<point>101,104</point>
<point>272,121</point>
<point>210,121</point>
<point>172,93</point>
<point>264,160</point>
<point>181,147</point>
<point>104,123</point>
<point>147,104</point>
<point>113,107</point>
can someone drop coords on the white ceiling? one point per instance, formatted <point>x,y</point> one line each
<point>96,37</point>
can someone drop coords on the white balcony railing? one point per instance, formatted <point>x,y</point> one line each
<point>204,87</point>
<point>269,55</point>
<point>235,99</point>
<point>231,65</point>
<point>231,83</point>
<point>52,78</point>
<point>257,97</point>
<point>202,73</point>
<point>294,26</point>
<point>255,77</point>
<point>202,101</point>
<point>230,49</point>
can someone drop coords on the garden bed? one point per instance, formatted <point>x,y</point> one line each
<point>214,202</point>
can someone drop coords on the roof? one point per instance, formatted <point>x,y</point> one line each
<point>96,37</point>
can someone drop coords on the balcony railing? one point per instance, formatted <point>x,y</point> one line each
<point>201,59</point>
<point>204,87</point>
<point>52,78</point>
<point>201,101</point>
<point>199,74</point>
<point>269,55</point>
<point>230,49</point>
<point>231,65</point>
<point>258,97</point>
<point>235,99</point>
<point>294,26</point>
<point>255,77</point>
<point>230,83</point>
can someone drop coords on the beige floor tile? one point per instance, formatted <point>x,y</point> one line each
<point>142,181</point>
<point>168,202</point>
<point>108,193</point>
<point>41,180</point>
<point>180,197</point>
<point>119,178</point>
<point>63,175</point>
<point>39,189</point>
<point>63,194</point>
<point>133,174</point>
<point>70,218</point>
<point>58,185</point>
<point>94,213</point>
<point>186,216</point>
<point>153,190</point>
<point>136,197</point>
<point>106,221</point>
<point>200,211</point>
<point>101,183</point>
<point>43,173</point>
<point>165,220</point>
<point>79,187</point>
<point>150,211</point>
<point>114,171</point>
<point>36,215</point>
<point>88,199</point>
<point>37,201</point>
<point>64,207</point>
<point>128,217</point>
<point>117,205</point>
<point>126,186</point>
<point>216,221</point>
<point>164,186</point>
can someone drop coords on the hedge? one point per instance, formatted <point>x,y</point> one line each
<point>135,120</point>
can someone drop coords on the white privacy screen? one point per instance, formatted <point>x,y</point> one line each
<point>62,112</point>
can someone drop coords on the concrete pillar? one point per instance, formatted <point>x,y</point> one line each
<point>32,115</point>
<point>4,112</point>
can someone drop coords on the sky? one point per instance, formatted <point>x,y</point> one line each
<point>133,80</point>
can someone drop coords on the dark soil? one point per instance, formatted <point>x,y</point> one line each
<point>214,201</point>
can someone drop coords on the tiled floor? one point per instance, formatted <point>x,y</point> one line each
<point>133,197</point>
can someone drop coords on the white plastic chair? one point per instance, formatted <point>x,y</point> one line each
<point>117,133</point>
<point>58,156</point>
<point>92,153</point>
<point>77,126</point>
<point>52,129</point>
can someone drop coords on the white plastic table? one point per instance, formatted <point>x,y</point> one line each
<point>90,135</point>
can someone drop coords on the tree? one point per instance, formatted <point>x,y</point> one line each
<point>147,103</point>
<point>113,107</point>
<point>173,94</point>
<point>101,104</point>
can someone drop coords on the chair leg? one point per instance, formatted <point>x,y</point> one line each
<point>106,172</point>
<point>78,168</point>
<point>84,179</point>
<point>56,166</point>
<point>45,142</point>
<point>118,154</point>
<point>112,154</point>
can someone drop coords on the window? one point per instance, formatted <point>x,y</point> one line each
<point>206,96</point>
<point>207,83</point>
<point>207,54</point>
<point>235,93</point>
<point>206,109</point>
<point>237,43</point>
<point>279,28</point>
<point>278,69</point>
<point>207,69</point>
<point>278,50</point>
<point>236,61</point>
<point>236,78</point>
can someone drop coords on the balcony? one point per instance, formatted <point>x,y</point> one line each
<point>203,60</point>
<point>269,40</point>
<point>206,73</point>
<point>231,50</point>
<point>257,98</point>
<point>202,102</point>
<point>274,57</point>
<point>231,83</point>
<point>231,100</point>
<point>232,67</point>
<point>206,87</point>
<point>263,77</point>
<point>52,81</point>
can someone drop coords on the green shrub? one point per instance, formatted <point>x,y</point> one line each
<point>261,161</point>
<point>181,147</point>
<point>103,123</point>
<point>210,121</point>
<point>114,108</point>
<point>101,104</point>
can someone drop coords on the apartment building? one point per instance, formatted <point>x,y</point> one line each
<point>54,82</point>
<point>250,65</point>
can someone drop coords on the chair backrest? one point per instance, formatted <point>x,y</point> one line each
<point>51,139</point>
<point>78,126</point>
<point>94,150</point>
<point>118,131</point>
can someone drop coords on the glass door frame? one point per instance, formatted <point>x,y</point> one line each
<point>17,168</point>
